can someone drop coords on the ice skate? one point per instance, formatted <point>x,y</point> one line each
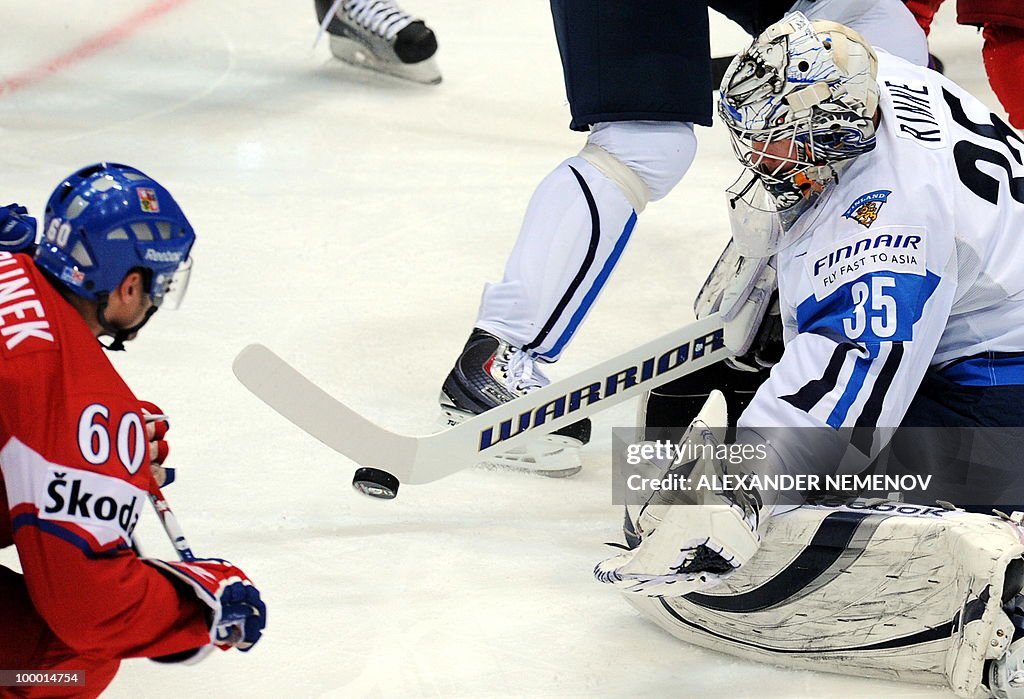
<point>490,372</point>
<point>378,35</point>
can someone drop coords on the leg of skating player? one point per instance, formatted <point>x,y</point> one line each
<point>886,24</point>
<point>576,227</point>
<point>378,35</point>
<point>638,75</point>
<point>1004,62</point>
<point>1003,22</point>
<point>924,12</point>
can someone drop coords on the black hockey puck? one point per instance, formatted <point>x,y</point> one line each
<point>375,483</point>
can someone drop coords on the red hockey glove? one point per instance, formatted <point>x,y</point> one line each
<point>238,614</point>
<point>157,424</point>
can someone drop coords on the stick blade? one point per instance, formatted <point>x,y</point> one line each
<point>313,410</point>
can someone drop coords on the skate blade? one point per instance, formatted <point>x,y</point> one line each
<point>356,54</point>
<point>552,456</point>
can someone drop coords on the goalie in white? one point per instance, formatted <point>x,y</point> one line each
<point>890,202</point>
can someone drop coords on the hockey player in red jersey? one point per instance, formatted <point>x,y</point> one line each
<point>75,463</point>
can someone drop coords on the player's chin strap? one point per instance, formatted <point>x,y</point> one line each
<point>120,335</point>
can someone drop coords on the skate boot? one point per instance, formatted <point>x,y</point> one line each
<point>376,34</point>
<point>490,372</point>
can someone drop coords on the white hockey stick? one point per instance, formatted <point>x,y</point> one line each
<point>427,458</point>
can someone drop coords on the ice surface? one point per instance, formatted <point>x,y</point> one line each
<point>349,221</point>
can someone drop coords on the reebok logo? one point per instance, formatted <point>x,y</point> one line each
<point>159,256</point>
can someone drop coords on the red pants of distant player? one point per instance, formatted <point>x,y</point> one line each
<point>26,643</point>
<point>1003,52</point>
<point>1004,62</point>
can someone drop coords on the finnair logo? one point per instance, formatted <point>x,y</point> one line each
<point>895,249</point>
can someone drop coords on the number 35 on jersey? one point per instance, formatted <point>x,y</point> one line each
<point>869,288</point>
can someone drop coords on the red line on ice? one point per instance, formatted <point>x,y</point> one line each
<point>115,35</point>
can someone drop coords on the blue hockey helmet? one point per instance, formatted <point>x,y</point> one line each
<point>108,219</point>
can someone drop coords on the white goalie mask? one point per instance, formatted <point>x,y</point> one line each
<point>799,104</point>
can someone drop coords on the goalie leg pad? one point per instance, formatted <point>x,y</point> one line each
<point>872,589</point>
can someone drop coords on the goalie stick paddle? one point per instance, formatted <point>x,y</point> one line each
<point>422,459</point>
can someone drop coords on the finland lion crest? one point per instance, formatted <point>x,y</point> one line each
<point>864,209</point>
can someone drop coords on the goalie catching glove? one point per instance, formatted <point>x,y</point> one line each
<point>690,539</point>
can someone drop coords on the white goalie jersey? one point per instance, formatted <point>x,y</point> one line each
<point>915,259</point>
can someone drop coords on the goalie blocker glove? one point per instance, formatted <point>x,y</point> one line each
<point>237,612</point>
<point>744,291</point>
